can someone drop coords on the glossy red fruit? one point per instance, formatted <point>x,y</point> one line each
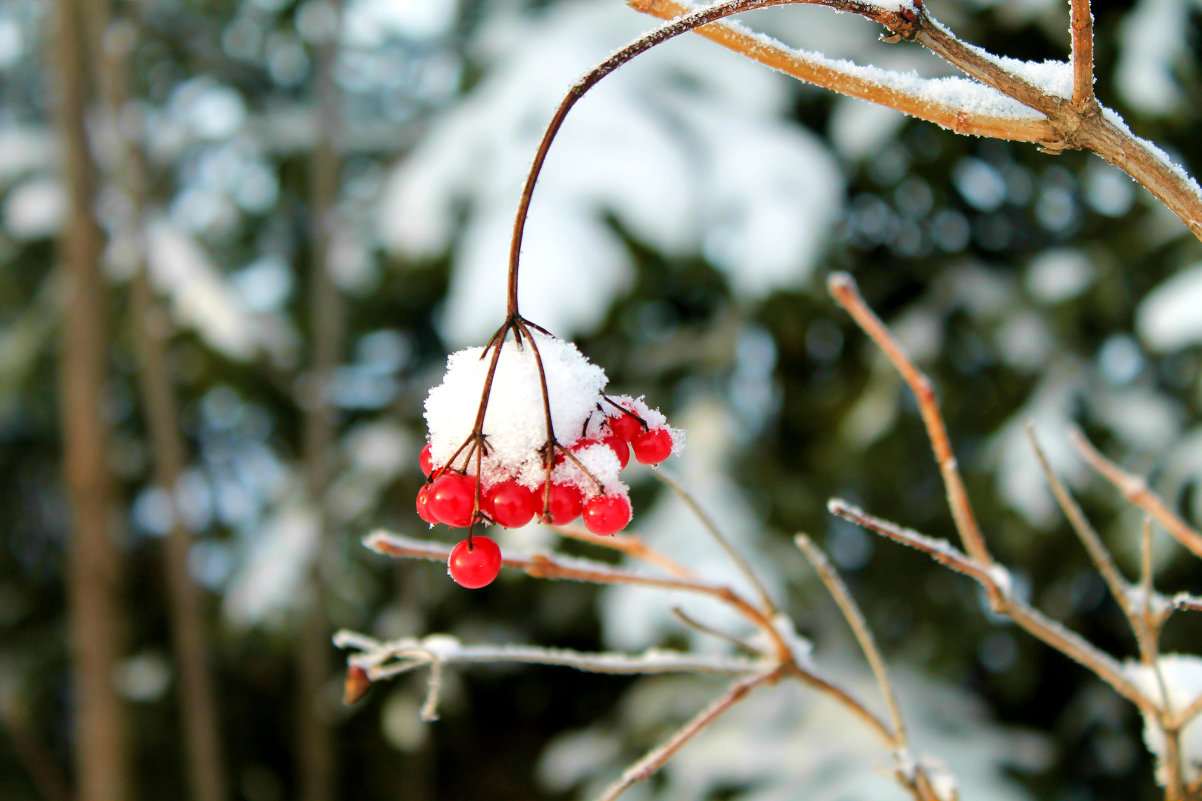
<point>564,504</point>
<point>619,447</point>
<point>606,514</point>
<point>474,563</point>
<point>510,504</point>
<point>426,460</point>
<point>652,447</point>
<point>452,497</point>
<point>626,426</point>
<point>423,506</point>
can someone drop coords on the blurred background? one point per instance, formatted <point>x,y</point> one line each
<point>279,217</point>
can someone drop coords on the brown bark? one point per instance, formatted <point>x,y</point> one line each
<point>315,733</point>
<point>93,569</point>
<point>197,695</point>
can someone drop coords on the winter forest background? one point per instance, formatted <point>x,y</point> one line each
<point>681,235</point>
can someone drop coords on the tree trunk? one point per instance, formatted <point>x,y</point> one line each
<point>93,570</point>
<point>316,744</point>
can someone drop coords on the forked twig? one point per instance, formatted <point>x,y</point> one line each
<point>1136,490</point>
<point>732,553</point>
<point>1098,554</point>
<point>655,759</point>
<point>630,544</point>
<point>843,289</point>
<point>855,618</point>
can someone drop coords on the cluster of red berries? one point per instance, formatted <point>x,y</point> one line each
<point>456,498</point>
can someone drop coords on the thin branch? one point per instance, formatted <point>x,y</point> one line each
<point>724,543</point>
<point>646,767</point>
<point>693,623</point>
<point>389,658</point>
<point>561,567</point>
<point>1081,26</point>
<point>1076,122</point>
<point>843,289</point>
<point>855,618</point>
<point>630,544</point>
<point>1136,490</point>
<point>871,85</point>
<point>1085,532</point>
<point>996,584</point>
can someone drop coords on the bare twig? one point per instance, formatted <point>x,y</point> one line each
<point>1081,26</point>
<point>732,553</point>
<point>845,292</point>
<point>694,623</point>
<point>996,584</point>
<point>646,767</point>
<point>1089,538</point>
<point>855,618</point>
<point>1136,490</point>
<point>630,544</point>
<point>560,567</point>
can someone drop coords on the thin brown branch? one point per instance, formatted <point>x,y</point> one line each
<point>1136,490</point>
<point>559,567</point>
<point>563,568</point>
<point>832,75</point>
<point>1081,26</point>
<point>1098,554</point>
<point>732,553</point>
<point>855,619</point>
<point>993,579</point>
<point>845,292</point>
<point>630,544</point>
<point>655,759</point>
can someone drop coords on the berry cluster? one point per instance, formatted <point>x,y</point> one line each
<point>504,461</point>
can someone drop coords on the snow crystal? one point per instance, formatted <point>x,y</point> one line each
<point>1182,683</point>
<point>1167,318</point>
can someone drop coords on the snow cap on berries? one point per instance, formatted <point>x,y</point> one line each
<point>514,423</point>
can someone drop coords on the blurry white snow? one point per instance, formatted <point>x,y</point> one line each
<point>1059,274</point>
<point>1019,478</point>
<point>785,742</point>
<point>1152,39</point>
<point>201,300</point>
<point>635,618</point>
<point>272,578</point>
<point>1170,316</point>
<point>684,148</point>
<point>34,209</point>
<point>369,23</point>
<point>1182,677</point>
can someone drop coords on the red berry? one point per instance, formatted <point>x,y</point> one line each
<point>606,514</point>
<point>619,447</point>
<point>423,506</point>
<point>652,447</point>
<point>564,504</point>
<point>510,504</point>
<point>452,498</point>
<point>626,426</point>
<point>475,562</point>
<point>426,460</point>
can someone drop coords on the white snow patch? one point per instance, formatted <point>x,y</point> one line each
<point>1182,683</point>
<point>1170,316</point>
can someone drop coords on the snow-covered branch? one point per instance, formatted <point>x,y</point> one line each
<point>1051,103</point>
